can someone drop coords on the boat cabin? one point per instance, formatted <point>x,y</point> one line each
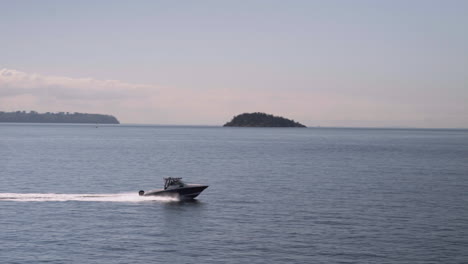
<point>171,183</point>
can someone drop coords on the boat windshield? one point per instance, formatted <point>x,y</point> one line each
<point>173,182</point>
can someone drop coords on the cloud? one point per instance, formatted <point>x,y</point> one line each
<point>16,83</point>
<point>44,93</point>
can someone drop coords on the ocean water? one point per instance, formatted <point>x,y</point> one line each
<point>68,194</point>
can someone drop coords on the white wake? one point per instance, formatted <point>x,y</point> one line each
<point>86,197</point>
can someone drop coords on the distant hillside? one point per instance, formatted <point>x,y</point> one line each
<point>61,117</point>
<point>261,120</point>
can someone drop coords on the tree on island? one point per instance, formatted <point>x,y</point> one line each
<point>60,117</point>
<point>261,120</point>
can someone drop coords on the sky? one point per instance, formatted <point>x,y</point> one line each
<point>321,63</point>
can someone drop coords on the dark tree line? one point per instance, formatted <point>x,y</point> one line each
<point>261,120</point>
<point>60,117</point>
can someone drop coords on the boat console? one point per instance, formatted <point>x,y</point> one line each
<point>173,183</point>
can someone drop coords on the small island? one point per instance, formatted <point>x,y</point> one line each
<point>261,120</point>
<point>60,117</point>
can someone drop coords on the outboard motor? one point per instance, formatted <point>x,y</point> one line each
<point>141,193</point>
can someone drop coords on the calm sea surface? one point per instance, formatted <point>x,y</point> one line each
<point>68,194</point>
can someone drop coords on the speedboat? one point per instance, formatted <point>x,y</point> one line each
<point>175,187</point>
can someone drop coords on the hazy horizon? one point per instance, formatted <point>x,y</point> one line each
<point>220,124</point>
<point>322,63</point>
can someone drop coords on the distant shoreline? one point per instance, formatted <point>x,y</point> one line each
<point>217,126</point>
<point>54,118</point>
